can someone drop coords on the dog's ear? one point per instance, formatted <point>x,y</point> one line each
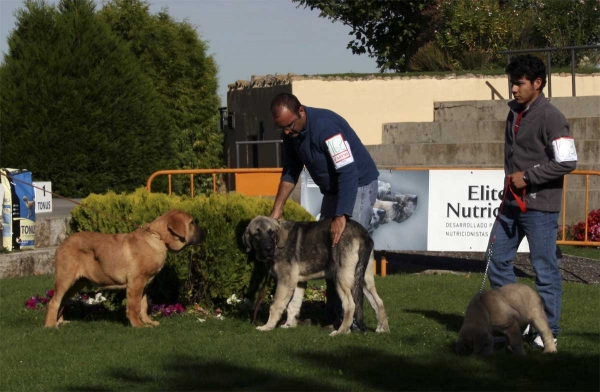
<point>177,225</point>
<point>246,239</point>
<point>281,234</point>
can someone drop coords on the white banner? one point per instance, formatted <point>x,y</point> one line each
<point>463,205</point>
<point>433,210</point>
<point>43,197</point>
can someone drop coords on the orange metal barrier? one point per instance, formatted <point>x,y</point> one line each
<point>585,242</point>
<point>245,179</point>
<point>263,182</point>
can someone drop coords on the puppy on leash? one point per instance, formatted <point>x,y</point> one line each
<point>505,311</point>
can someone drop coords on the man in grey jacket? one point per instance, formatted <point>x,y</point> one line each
<point>538,152</point>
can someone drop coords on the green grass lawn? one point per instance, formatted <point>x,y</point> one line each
<point>425,314</point>
<point>590,252</point>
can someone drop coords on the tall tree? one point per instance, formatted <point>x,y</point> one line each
<point>175,58</point>
<point>386,30</point>
<point>459,33</point>
<point>75,106</point>
<point>567,23</point>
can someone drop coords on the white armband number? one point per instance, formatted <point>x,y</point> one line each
<point>564,149</point>
<point>339,149</point>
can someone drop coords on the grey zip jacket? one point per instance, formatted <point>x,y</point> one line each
<point>531,151</point>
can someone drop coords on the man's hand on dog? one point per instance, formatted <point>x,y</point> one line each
<point>337,228</point>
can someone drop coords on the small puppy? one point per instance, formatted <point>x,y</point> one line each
<point>506,311</point>
<point>120,261</point>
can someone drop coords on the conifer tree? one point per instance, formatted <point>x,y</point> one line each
<point>175,58</point>
<point>76,107</point>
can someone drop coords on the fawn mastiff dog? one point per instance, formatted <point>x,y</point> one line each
<point>507,311</point>
<point>120,261</point>
<point>296,252</point>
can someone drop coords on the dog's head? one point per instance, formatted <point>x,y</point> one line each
<point>376,220</point>
<point>384,189</point>
<point>404,206</point>
<point>474,340</point>
<point>264,234</point>
<point>177,230</point>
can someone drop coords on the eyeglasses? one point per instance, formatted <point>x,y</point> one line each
<point>290,126</point>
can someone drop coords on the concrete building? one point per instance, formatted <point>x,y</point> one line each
<point>414,121</point>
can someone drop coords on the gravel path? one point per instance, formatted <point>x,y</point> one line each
<point>573,269</point>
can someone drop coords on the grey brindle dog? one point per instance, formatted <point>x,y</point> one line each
<point>296,252</point>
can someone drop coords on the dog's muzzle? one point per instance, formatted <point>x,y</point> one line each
<point>266,250</point>
<point>199,236</point>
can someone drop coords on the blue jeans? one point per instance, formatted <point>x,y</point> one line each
<point>361,213</point>
<point>541,229</point>
<point>363,206</point>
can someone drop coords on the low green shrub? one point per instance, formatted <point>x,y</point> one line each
<point>430,58</point>
<point>207,274</point>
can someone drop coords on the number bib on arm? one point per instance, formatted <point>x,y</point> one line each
<point>564,149</point>
<point>339,151</point>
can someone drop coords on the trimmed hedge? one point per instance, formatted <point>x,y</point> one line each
<point>219,268</point>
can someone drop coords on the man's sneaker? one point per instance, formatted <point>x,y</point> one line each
<point>529,333</point>
<point>539,343</point>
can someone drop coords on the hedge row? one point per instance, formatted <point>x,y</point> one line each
<point>219,268</point>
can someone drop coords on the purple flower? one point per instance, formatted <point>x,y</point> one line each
<point>31,303</point>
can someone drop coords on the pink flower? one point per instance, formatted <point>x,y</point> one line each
<point>31,303</point>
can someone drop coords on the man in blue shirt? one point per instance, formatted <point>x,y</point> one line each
<point>338,162</point>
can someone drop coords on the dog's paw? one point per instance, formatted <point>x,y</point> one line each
<point>289,325</point>
<point>382,329</point>
<point>336,333</point>
<point>264,328</point>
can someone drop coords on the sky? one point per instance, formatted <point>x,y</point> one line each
<point>252,37</point>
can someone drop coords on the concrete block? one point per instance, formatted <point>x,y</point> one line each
<point>571,107</point>
<point>582,128</point>
<point>585,128</point>
<point>443,132</point>
<point>51,231</point>
<point>26,263</point>
<point>438,154</point>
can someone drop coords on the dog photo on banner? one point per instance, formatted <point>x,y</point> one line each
<point>400,211</point>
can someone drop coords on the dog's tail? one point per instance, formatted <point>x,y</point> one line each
<point>365,252</point>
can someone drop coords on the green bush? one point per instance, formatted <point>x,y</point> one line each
<point>473,60</point>
<point>430,58</point>
<point>219,268</point>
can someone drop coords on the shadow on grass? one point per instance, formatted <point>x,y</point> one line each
<point>406,262</point>
<point>364,368</point>
<point>374,369</point>
<point>186,373</point>
<point>452,322</point>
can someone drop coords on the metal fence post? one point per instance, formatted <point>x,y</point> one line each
<point>573,93</point>
<point>549,74</point>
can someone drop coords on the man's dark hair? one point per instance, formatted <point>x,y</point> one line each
<point>285,100</point>
<point>527,66</point>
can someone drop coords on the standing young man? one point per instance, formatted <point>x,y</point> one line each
<point>538,152</point>
<point>338,162</point>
